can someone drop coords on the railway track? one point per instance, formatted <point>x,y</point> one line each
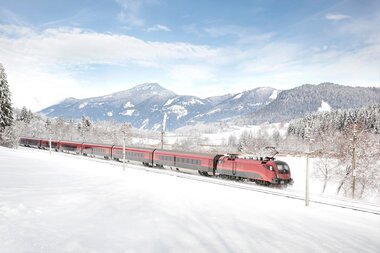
<point>286,193</point>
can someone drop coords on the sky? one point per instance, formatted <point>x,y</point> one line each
<point>52,50</point>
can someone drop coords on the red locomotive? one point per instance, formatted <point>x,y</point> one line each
<point>264,171</point>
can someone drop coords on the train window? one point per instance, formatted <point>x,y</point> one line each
<point>270,167</point>
<point>283,168</point>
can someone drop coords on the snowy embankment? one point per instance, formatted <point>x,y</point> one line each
<point>63,203</point>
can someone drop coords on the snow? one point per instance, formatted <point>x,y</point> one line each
<point>179,110</point>
<point>144,124</point>
<point>169,102</point>
<point>325,107</point>
<point>82,105</point>
<point>129,105</point>
<point>274,95</point>
<point>68,203</point>
<point>193,101</point>
<point>157,127</point>
<point>164,121</point>
<point>128,112</point>
<point>213,111</point>
<point>238,95</point>
<point>109,114</point>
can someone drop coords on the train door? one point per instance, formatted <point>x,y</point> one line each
<point>233,168</point>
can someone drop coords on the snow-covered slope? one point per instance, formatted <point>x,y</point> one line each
<point>67,203</point>
<point>300,101</point>
<point>150,105</point>
<point>239,104</point>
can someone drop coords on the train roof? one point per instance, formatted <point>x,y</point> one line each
<point>186,152</point>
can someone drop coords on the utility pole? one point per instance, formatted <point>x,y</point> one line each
<point>50,131</point>
<point>309,140</point>
<point>163,130</point>
<point>162,138</point>
<point>124,130</point>
<point>50,144</point>
<point>353,147</point>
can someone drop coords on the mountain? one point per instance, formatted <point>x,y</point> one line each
<point>298,102</point>
<point>234,106</point>
<point>150,106</point>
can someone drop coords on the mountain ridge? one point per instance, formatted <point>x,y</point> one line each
<point>150,106</point>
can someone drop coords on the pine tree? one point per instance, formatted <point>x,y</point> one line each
<point>84,127</point>
<point>25,115</point>
<point>6,114</point>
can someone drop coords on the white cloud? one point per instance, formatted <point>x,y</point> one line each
<point>158,27</point>
<point>131,11</point>
<point>190,73</point>
<point>336,16</point>
<point>244,35</point>
<point>76,46</point>
<point>37,89</point>
<point>40,64</point>
<point>15,30</point>
<point>190,79</point>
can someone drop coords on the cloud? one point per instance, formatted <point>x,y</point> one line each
<point>243,35</point>
<point>43,65</point>
<point>190,73</point>
<point>15,31</point>
<point>131,11</point>
<point>336,16</point>
<point>7,16</point>
<point>158,27</point>
<point>286,65</point>
<point>76,46</point>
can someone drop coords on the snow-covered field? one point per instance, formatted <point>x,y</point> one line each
<point>65,203</point>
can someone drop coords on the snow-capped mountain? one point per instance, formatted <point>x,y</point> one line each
<point>298,102</point>
<point>140,105</point>
<point>150,106</point>
<point>239,104</point>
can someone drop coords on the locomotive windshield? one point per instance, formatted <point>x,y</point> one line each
<point>282,167</point>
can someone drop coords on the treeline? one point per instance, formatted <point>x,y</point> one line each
<point>30,124</point>
<point>336,136</point>
<point>367,118</point>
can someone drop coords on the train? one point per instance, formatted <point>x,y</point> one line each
<point>263,171</point>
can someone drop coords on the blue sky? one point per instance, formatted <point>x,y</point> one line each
<point>57,49</point>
